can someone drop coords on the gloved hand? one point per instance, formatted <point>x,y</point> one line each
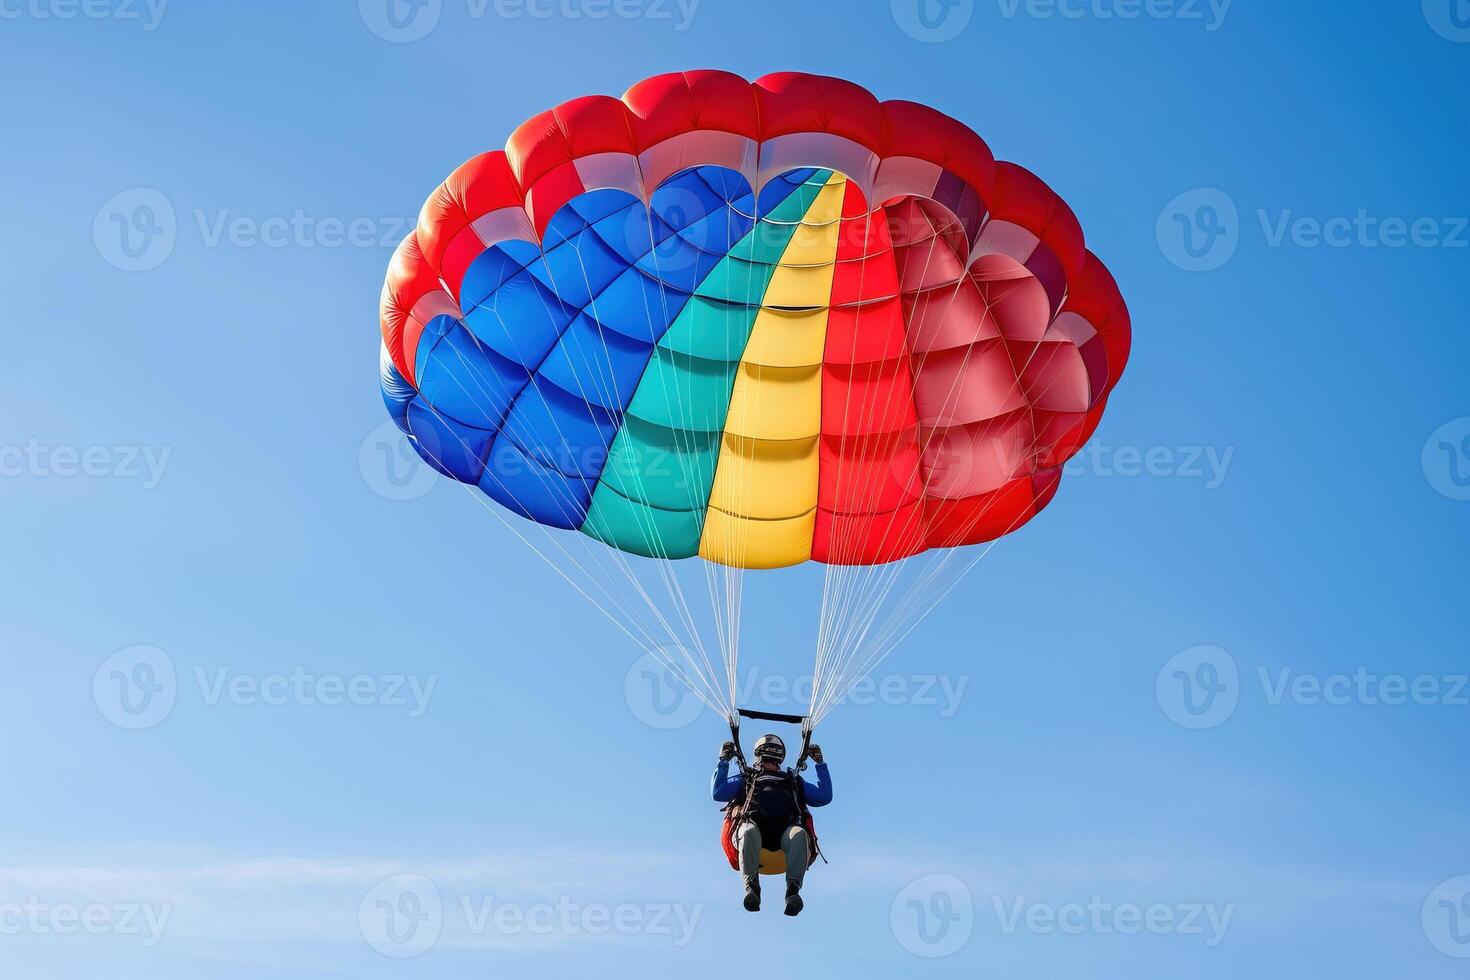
<point>815,751</point>
<point>727,751</point>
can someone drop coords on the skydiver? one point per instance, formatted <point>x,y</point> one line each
<point>773,814</point>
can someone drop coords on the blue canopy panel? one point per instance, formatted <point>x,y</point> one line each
<point>462,379</point>
<point>525,396</point>
<point>578,270</point>
<point>578,263</point>
<point>682,202</point>
<point>397,392</point>
<point>583,210</point>
<point>560,429</point>
<point>715,187</point>
<point>526,487</point>
<point>780,187</point>
<point>453,448</point>
<point>632,274</point>
<point>545,462</point>
<point>638,306</point>
<point>716,234</point>
<point>679,263</point>
<point>522,319</point>
<point>631,234</point>
<point>596,362</point>
<point>491,268</point>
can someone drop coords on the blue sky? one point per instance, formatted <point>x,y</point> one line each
<point>1045,789</point>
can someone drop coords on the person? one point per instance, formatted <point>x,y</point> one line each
<point>773,818</point>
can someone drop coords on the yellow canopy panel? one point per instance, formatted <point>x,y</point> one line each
<point>766,479</point>
<point>750,543</point>
<point>763,503</point>
<point>776,403</point>
<point>787,338</point>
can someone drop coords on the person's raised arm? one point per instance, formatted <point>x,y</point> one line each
<point>725,786</point>
<point>819,794</point>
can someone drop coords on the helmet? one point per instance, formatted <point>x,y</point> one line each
<point>770,747</point>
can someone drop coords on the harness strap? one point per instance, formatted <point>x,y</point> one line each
<point>735,737</point>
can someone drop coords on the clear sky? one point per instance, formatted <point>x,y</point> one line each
<point>350,688</point>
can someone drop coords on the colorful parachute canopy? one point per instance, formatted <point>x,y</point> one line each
<point>758,322</point>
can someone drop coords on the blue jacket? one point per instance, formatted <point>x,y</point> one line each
<point>728,787</point>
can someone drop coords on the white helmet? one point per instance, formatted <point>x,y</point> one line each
<point>770,747</point>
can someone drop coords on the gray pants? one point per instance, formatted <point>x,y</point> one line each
<point>794,844</point>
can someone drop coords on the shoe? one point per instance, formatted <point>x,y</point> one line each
<point>752,896</point>
<point>794,904</point>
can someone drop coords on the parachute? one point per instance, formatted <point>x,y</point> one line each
<point>719,325</point>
